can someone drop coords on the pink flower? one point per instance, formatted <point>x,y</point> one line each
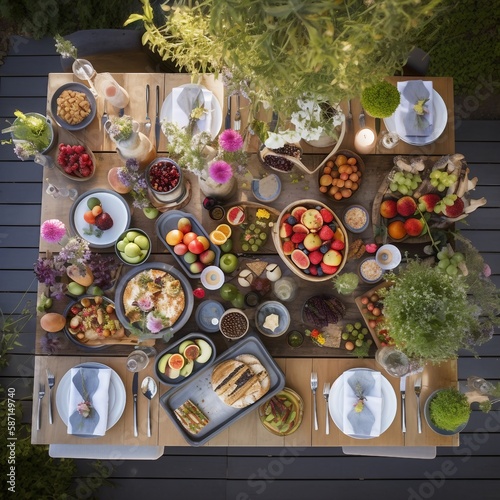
<point>153,324</point>
<point>230,140</point>
<point>220,171</point>
<point>145,304</point>
<point>84,408</point>
<point>487,270</point>
<point>53,230</point>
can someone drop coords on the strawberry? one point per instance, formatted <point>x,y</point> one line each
<point>315,257</point>
<point>325,233</point>
<point>298,237</point>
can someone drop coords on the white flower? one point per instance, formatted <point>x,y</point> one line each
<point>275,141</point>
<point>291,136</point>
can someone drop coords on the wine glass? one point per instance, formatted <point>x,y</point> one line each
<point>60,192</point>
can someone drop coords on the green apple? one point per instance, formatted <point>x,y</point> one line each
<point>150,212</point>
<point>228,262</point>
<point>238,301</point>
<point>132,235</point>
<point>75,288</point>
<point>227,246</point>
<point>228,291</point>
<point>190,257</point>
<point>132,250</point>
<point>121,246</point>
<point>131,260</point>
<point>142,242</point>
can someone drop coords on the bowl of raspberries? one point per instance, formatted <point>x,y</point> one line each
<point>75,161</point>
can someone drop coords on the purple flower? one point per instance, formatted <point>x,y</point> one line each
<point>153,324</point>
<point>230,140</point>
<point>145,304</point>
<point>53,230</point>
<point>132,164</point>
<point>220,171</point>
<point>47,272</point>
<point>124,177</point>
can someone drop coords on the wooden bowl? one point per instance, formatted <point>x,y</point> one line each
<point>290,259</point>
<point>327,181</point>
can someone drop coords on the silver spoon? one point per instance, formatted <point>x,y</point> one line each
<point>149,388</point>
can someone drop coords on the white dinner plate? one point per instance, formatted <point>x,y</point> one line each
<point>216,122</point>
<point>112,203</point>
<point>394,123</point>
<point>116,401</point>
<point>336,403</point>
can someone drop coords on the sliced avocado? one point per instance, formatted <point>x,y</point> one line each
<point>162,363</point>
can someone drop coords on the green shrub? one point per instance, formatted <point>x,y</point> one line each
<point>380,100</point>
<point>449,409</point>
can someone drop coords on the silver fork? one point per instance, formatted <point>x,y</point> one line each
<point>51,381</point>
<point>147,125</point>
<point>41,394</point>
<point>237,115</point>
<point>326,394</point>
<point>314,386</point>
<point>418,389</point>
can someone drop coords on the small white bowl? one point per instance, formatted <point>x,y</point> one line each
<point>266,189</point>
<point>212,277</point>
<point>388,257</point>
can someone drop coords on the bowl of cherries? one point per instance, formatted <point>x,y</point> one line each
<point>76,162</point>
<point>165,180</point>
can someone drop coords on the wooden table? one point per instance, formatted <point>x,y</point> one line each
<point>297,364</point>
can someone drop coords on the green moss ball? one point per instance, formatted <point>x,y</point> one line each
<point>449,409</point>
<point>380,100</point>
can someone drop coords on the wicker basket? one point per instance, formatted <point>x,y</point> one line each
<point>308,203</point>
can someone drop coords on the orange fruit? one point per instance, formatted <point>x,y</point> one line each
<point>396,229</point>
<point>97,210</point>
<point>225,228</point>
<point>176,361</point>
<point>217,237</point>
<point>88,216</point>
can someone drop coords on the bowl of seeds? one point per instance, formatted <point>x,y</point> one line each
<point>234,324</point>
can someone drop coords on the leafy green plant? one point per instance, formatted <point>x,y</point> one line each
<point>277,52</point>
<point>428,312</point>
<point>449,409</point>
<point>380,100</point>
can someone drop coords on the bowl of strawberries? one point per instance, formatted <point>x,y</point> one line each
<point>311,240</point>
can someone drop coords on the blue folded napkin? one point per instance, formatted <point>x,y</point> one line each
<point>364,386</point>
<point>184,100</point>
<point>89,385</point>
<point>416,110</point>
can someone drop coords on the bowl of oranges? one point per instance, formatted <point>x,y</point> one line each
<point>340,177</point>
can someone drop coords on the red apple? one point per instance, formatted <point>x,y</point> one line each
<point>180,249</point>
<point>184,225</point>
<point>196,246</point>
<point>207,257</point>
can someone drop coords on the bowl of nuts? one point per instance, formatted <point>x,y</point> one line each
<point>234,324</point>
<point>73,106</point>
<point>340,177</point>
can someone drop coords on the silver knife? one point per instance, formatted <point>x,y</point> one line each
<point>227,123</point>
<point>135,389</point>
<point>157,122</point>
<point>402,389</point>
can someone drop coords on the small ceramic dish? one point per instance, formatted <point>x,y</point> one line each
<point>77,87</point>
<point>283,423</point>
<point>272,318</point>
<point>266,189</point>
<point>208,315</point>
<point>234,324</point>
<point>369,270</point>
<point>356,218</point>
<point>138,252</point>
<point>388,257</point>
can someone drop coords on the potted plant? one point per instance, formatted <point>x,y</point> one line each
<point>447,411</point>
<point>274,54</point>
<point>380,100</point>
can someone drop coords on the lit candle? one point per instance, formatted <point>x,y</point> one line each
<point>364,141</point>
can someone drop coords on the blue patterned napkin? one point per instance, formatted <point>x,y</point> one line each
<point>92,385</point>
<point>364,386</point>
<point>416,97</point>
<point>184,100</point>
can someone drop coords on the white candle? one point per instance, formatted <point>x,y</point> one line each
<point>364,141</point>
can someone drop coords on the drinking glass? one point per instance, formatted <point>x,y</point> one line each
<point>139,358</point>
<point>394,362</point>
<point>389,140</point>
<point>285,288</point>
<point>61,192</point>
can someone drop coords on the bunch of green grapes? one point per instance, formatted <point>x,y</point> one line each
<point>441,179</point>
<point>355,335</point>
<point>404,182</point>
<point>253,237</point>
<point>448,200</point>
<point>448,262</point>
